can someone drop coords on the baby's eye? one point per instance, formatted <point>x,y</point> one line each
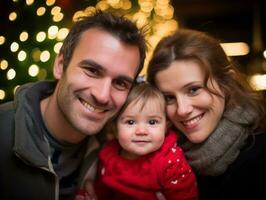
<point>130,122</point>
<point>153,121</point>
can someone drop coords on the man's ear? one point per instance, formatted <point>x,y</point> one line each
<point>58,69</point>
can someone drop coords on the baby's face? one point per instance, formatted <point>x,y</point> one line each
<point>141,130</point>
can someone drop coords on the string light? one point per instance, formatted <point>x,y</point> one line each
<point>3,64</point>
<point>2,94</point>
<point>11,73</point>
<point>2,39</point>
<point>45,56</point>
<point>41,11</point>
<point>12,16</point>
<point>50,2</point>
<point>57,47</point>
<point>52,32</point>
<point>22,55</point>
<point>29,2</point>
<point>14,46</point>
<point>33,70</point>
<point>23,36</point>
<point>41,36</point>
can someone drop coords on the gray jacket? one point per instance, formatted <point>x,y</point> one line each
<point>26,170</point>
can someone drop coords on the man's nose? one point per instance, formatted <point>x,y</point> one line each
<point>102,91</point>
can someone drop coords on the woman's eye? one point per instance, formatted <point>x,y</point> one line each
<point>153,122</point>
<point>194,90</point>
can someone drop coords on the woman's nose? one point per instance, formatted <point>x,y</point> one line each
<point>184,107</point>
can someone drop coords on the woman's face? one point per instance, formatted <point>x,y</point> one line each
<point>190,106</point>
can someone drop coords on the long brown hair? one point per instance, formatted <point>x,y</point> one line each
<point>204,49</point>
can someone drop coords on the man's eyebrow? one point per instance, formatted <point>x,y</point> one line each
<point>92,63</point>
<point>89,62</point>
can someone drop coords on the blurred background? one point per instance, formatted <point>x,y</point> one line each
<point>31,32</point>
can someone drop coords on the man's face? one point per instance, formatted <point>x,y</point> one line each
<point>96,82</point>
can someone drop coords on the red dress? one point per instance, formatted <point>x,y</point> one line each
<point>165,171</point>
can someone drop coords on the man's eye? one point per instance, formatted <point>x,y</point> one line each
<point>92,72</point>
<point>153,121</point>
<point>121,85</point>
<point>130,122</point>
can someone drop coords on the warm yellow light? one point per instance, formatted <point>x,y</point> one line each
<point>42,74</point>
<point>11,74</point>
<point>58,17</point>
<point>140,18</point>
<point>126,5</point>
<point>52,32</point>
<point>29,2</point>
<point>146,6</point>
<point>23,36</point>
<point>50,2</point>
<point>102,5</point>
<point>35,54</point>
<point>41,36</point>
<point>3,64</point>
<point>2,39</point>
<point>2,94</point>
<point>41,11</point>
<point>258,81</point>
<point>12,16</point>
<point>90,10</point>
<point>264,54</point>
<point>14,46</point>
<point>33,70</point>
<point>22,55</point>
<point>235,48</point>
<point>113,1</point>
<point>55,10</point>
<point>57,47</point>
<point>15,89</point>
<point>62,33</point>
<point>45,56</point>
<point>77,15</point>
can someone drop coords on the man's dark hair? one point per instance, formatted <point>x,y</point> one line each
<point>118,26</point>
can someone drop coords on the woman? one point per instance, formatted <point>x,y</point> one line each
<point>219,115</point>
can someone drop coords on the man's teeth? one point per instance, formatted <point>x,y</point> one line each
<point>192,121</point>
<point>91,108</point>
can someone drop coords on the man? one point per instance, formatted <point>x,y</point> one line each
<point>48,128</point>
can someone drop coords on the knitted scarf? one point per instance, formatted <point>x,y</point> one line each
<point>214,155</point>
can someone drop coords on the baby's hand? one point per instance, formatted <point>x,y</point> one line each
<point>83,195</point>
<point>87,193</point>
